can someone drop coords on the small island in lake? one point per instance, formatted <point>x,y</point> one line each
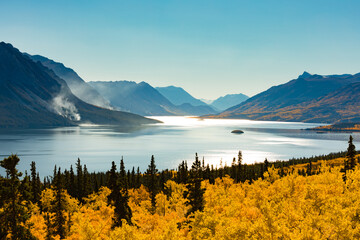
<point>237,131</point>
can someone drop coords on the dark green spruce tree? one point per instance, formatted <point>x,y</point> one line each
<point>87,188</point>
<point>15,215</point>
<point>350,155</point>
<point>350,161</point>
<point>25,190</point>
<point>59,203</point>
<point>138,178</point>
<point>122,176</point>
<point>79,180</point>
<point>266,165</point>
<point>233,169</point>
<point>118,198</point>
<point>240,174</point>
<point>72,188</point>
<point>133,178</point>
<point>194,192</point>
<point>35,184</point>
<point>151,175</point>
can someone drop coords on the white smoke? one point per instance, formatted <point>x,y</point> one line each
<point>62,106</point>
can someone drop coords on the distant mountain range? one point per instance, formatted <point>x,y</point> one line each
<point>38,92</point>
<point>309,98</point>
<point>76,84</point>
<point>178,96</point>
<point>141,98</point>
<point>229,100</point>
<point>32,95</point>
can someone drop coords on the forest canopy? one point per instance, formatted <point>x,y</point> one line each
<point>308,199</point>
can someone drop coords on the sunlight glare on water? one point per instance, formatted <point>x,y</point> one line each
<point>174,140</point>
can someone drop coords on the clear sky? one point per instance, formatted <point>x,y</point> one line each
<point>210,48</point>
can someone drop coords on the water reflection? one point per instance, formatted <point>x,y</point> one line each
<point>174,140</point>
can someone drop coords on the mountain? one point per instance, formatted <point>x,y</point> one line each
<point>342,105</point>
<point>178,96</point>
<point>207,101</point>
<point>196,110</point>
<point>32,95</point>
<point>309,98</point>
<point>229,100</point>
<point>141,98</point>
<point>76,84</point>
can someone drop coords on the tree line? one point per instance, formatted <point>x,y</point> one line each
<point>18,191</point>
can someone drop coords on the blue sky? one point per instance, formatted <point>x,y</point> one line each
<point>210,48</point>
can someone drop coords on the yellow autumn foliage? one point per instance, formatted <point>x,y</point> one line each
<point>321,206</point>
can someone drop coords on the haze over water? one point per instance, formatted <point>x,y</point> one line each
<point>177,139</point>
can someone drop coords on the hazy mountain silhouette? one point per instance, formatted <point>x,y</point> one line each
<point>76,84</point>
<point>178,96</point>
<point>32,95</point>
<point>229,100</point>
<point>142,98</point>
<point>309,98</point>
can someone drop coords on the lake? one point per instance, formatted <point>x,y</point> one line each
<point>174,140</point>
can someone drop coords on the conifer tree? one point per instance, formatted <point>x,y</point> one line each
<point>79,180</point>
<point>54,174</point>
<point>72,189</point>
<point>118,198</point>
<point>96,183</point>
<point>220,170</point>
<point>138,178</point>
<point>211,174</point>
<point>162,179</point>
<point>112,180</point>
<point>67,180</point>
<point>195,193</point>
<point>59,203</point>
<point>38,184</point>
<point>122,175</point>
<point>266,165</point>
<point>152,181</point>
<point>350,155</point>
<point>14,215</point>
<point>233,169</point>
<point>133,178</point>
<point>128,179</point>
<point>35,183</point>
<point>182,173</point>
<point>349,163</point>
<point>25,188</point>
<point>86,182</point>
<point>101,180</point>
<point>240,174</point>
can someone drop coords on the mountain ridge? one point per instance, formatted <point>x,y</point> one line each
<point>298,100</point>
<point>33,96</point>
<point>229,100</point>
<point>78,86</point>
<point>141,98</point>
<point>178,96</point>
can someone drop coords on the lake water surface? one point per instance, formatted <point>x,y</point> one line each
<point>177,139</point>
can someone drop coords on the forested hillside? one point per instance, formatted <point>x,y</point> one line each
<point>305,198</point>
